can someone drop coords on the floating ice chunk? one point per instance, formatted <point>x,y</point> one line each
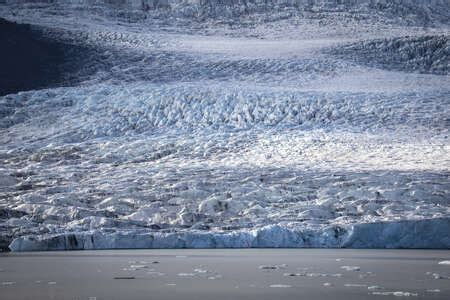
<point>200,270</point>
<point>396,294</point>
<point>445,262</point>
<point>280,286</point>
<point>373,287</point>
<point>137,267</point>
<point>439,276</point>
<point>152,273</point>
<point>362,276</point>
<point>265,267</point>
<point>216,276</point>
<point>272,267</point>
<point>52,282</point>
<point>171,284</point>
<point>294,274</point>
<point>351,268</point>
<point>316,275</point>
<point>8,282</point>
<point>434,291</point>
<point>323,275</point>
<point>327,284</point>
<point>405,294</point>
<point>186,274</point>
<point>355,285</point>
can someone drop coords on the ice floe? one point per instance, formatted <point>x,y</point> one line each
<point>396,294</point>
<point>351,268</point>
<point>280,286</point>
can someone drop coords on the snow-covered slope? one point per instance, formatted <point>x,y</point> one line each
<point>231,124</point>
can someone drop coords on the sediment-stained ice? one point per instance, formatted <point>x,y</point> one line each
<point>214,125</point>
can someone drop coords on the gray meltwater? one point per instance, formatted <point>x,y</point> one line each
<point>226,274</point>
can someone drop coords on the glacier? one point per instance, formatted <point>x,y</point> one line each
<point>229,124</point>
<point>401,234</point>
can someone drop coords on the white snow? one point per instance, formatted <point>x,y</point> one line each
<point>192,133</point>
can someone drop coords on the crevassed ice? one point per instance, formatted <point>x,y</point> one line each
<point>171,141</point>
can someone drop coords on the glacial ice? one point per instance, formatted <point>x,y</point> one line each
<point>427,54</point>
<point>203,124</point>
<point>424,12</point>
<point>351,268</point>
<point>380,235</point>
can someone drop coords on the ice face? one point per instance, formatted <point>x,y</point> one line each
<point>267,131</point>
<point>401,234</point>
